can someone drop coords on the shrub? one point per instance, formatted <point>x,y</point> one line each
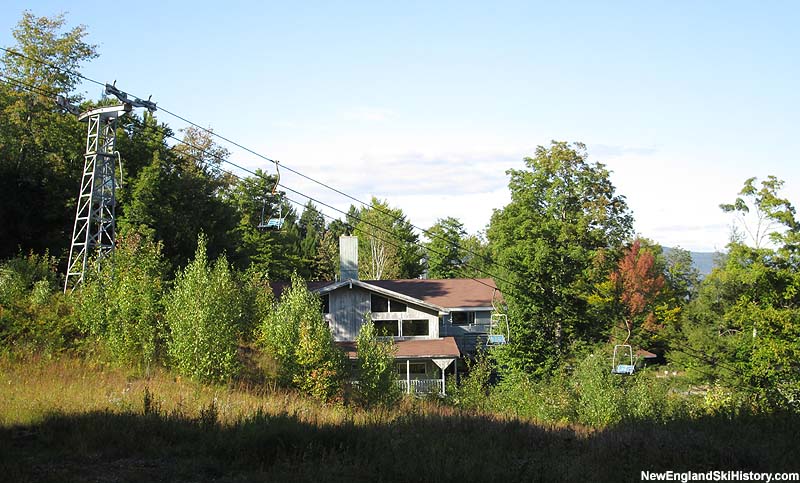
<point>550,399</point>
<point>319,363</point>
<point>556,399</point>
<point>473,393</point>
<point>134,296</point>
<point>121,306</point>
<point>601,397</point>
<point>377,377</point>
<point>34,314</point>
<point>258,302</point>
<point>646,398</point>
<point>296,336</point>
<point>19,275</point>
<point>723,401</point>
<point>204,315</point>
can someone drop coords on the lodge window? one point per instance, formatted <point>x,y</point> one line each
<point>395,306</point>
<point>382,304</point>
<point>326,304</point>
<point>386,328</point>
<point>412,328</point>
<point>404,328</point>
<point>462,318</point>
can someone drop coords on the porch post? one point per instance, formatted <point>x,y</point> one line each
<point>408,376</point>
<point>443,394</point>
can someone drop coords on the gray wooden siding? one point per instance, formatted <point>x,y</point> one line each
<point>348,257</point>
<point>347,307</point>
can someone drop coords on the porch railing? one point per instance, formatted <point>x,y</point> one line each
<point>421,386</point>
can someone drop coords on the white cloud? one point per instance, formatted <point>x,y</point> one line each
<point>427,184</point>
<point>392,175</point>
<point>474,210</point>
<point>674,197</point>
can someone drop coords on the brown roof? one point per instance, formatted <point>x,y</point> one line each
<point>448,293</point>
<point>414,348</point>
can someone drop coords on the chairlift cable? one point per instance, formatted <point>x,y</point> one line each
<point>512,284</point>
<point>15,82</point>
<point>266,158</point>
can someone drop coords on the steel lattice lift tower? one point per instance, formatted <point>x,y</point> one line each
<point>94,231</point>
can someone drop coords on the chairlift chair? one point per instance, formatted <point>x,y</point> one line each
<point>501,320</point>
<point>623,362</point>
<point>273,223</point>
<point>495,338</point>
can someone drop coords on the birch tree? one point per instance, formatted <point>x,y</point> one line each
<point>387,245</point>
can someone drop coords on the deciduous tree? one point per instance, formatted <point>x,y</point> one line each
<point>295,335</point>
<point>745,321</point>
<point>638,282</point>
<point>377,376</point>
<point>205,315</point>
<point>41,148</point>
<point>563,218</point>
<point>387,244</point>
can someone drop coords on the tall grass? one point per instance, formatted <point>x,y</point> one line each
<point>69,420</point>
<point>31,388</point>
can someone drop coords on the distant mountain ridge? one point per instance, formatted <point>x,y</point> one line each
<point>703,261</point>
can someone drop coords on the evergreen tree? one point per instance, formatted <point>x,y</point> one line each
<point>275,253</point>
<point>180,194</point>
<point>311,227</point>
<point>326,261</point>
<point>446,257</point>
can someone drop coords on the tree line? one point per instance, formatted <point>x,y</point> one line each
<point>575,277</point>
<point>171,191</point>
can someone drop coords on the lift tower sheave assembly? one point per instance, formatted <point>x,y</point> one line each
<point>94,231</point>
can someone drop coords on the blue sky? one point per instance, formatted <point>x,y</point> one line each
<point>427,104</point>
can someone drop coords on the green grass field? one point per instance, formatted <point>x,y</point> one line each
<point>69,420</point>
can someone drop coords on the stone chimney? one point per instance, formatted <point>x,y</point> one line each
<point>348,257</point>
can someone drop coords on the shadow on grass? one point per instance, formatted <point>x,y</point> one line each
<point>106,446</point>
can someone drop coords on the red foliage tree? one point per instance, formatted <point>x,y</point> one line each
<point>638,284</point>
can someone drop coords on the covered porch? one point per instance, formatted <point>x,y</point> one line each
<point>420,363</point>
